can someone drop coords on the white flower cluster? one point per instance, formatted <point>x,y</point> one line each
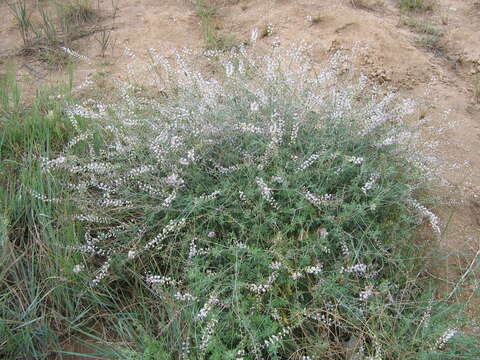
<point>314,270</point>
<point>318,201</point>
<point>307,163</point>
<point>78,268</point>
<point>276,265</point>
<point>75,54</point>
<point>272,340</point>
<point>185,350</point>
<point>193,250</point>
<point>174,180</point>
<point>260,289</point>
<point>101,273</point>
<point>161,280</point>
<point>41,197</point>
<point>359,269</point>
<point>141,170</point>
<point>92,219</point>
<point>355,160</point>
<point>279,180</point>
<point>320,316</point>
<point>446,336</point>
<point>47,164</point>
<point>294,134</point>
<point>184,296</point>
<point>211,196</point>
<point>114,203</point>
<point>208,333</point>
<point>242,196</point>
<point>169,199</point>
<point>297,275</point>
<point>345,249</point>
<point>434,220</point>
<point>207,307</point>
<point>266,192</point>
<point>172,227</point>
<point>367,293</point>
<point>427,314</point>
<point>370,183</point>
<point>240,355</point>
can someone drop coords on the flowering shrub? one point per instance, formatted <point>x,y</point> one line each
<point>267,214</point>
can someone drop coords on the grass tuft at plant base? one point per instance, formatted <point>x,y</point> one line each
<point>35,295</point>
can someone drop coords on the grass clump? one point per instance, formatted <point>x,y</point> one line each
<point>79,11</point>
<point>34,292</point>
<point>213,39</point>
<point>430,36</point>
<point>271,213</point>
<point>22,16</point>
<point>43,34</point>
<point>417,5</point>
<point>366,4</point>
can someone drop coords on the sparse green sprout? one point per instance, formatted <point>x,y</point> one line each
<point>104,40</point>
<point>314,20</point>
<point>476,87</point>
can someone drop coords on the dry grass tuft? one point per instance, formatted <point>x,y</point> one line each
<point>476,88</point>
<point>367,4</point>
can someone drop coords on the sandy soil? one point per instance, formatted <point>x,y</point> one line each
<point>392,55</point>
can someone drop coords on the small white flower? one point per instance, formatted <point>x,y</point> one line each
<point>370,183</point>
<point>212,234</point>
<point>323,232</point>
<point>131,254</point>
<point>229,69</point>
<point>367,293</point>
<point>78,268</point>
<point>276,265</point>
<point>254,36</point>
<point>269,29</point>
<point>297,275</point>
<point>174,180</point>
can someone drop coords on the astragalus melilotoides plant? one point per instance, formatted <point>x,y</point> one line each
<point>269,211</point>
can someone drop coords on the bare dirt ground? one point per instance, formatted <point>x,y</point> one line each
<point>443,72</point>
